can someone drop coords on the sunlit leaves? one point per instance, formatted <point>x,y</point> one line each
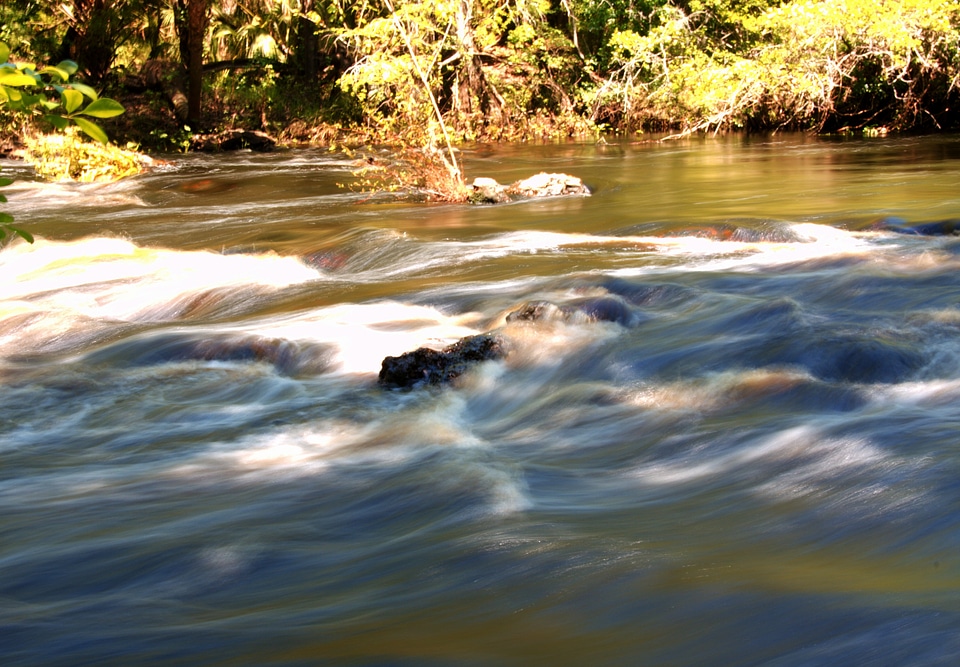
<point>6,228</point>
<point>24,90</point>
<point>85,89</point>
<point>806,63</point>
<point>72,99</point>
<point>103,108</point>
<point>12,76</point>
<point>91,129</point>
<point>49,94</point>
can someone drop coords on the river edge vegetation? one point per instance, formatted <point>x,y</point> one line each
<point>425,76</point>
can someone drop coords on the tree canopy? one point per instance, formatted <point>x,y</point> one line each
<point>506,69</point>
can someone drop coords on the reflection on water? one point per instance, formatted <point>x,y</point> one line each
<point>725,433</point>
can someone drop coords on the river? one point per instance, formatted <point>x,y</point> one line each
<point>757,463</point>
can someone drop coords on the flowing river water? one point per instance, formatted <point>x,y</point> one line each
<point>757,462</point>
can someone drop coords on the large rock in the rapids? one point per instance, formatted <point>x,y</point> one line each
<point>426,366</point>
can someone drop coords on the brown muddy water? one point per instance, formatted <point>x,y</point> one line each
<point>756,462</point>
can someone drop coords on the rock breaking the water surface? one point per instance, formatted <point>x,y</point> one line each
<point>427,366</point>
<point>489,191</point>
<point>550,185</point>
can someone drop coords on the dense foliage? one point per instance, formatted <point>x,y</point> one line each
<point>504,69</point>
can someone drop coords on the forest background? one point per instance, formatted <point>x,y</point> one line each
<point>398,71</point>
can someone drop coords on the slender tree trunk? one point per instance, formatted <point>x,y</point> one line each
<point>197,18</point>
<point>476,101</point>
<point>470,79</point>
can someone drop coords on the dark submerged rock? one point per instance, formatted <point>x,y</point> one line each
<point>593,309</point>
<point>327,260</point>
<point>900,226</point>
<point>206,186</point>
<point>537,311</point>
<point>607,309</point>
<point>764,233</point>
<point>841,358</point>
<point>433,367</point>
<point>648,294</point>
<point>287,357</point>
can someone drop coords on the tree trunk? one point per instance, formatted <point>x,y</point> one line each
<point>476,102</point>
<point>306,55</point>
<point>196,30</point>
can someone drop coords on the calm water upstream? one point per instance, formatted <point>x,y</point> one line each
<point>757,464</point>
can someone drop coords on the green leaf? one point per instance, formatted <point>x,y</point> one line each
<point>3,199</point>
<point>13,95</point>
<point>72,99</point>
<point>5,181</point>
<point>68,66</point>
<point>85,89</point>
<point>58,122</point>
<point>5,218</point>
<point>22,233</point>
<point>4,52</point>
<point>55,71</point>
<point>91,129</point>
<point>11,77</point>
<point>103,108</point>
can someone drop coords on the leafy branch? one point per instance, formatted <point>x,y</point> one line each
<point>7,229</point>
<point>49,93</point>
<point>25,90</point>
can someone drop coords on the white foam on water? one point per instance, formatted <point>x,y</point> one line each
<point>91,282</point>
<point>390,440</point>
<point>363,334</point>
<point>814,241</point>
<point>507,493</point>
<point>843,476</point>
<point>802,444</point>
<point>840,474</point>
<point>29,196</point>
<point>927,394</point>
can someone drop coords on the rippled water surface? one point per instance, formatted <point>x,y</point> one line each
<point>752,457</point>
